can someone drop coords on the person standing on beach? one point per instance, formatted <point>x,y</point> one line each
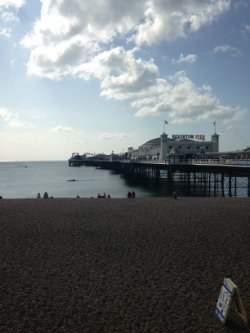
<point>45,196</point>
<point>38,196</point>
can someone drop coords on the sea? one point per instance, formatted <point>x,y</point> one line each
<point>25,179</point>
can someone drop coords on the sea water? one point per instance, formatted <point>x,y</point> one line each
<point>26,179</point>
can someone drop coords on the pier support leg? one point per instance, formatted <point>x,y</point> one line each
<point>222,185</point>
<point>230,185</point>
<point>249,186</point>
<point>235,186</point>
<point>169,177</point>
<point>189,182</point>
<point>209,183</point>
<point>194,181</point>
<point>205,183</point>
<point>215,183</point>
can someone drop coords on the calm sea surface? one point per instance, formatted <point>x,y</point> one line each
<point>26,179</point>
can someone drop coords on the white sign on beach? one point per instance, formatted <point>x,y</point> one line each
<point>228,291</point>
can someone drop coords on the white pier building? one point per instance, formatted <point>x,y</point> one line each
<point>179,146</point>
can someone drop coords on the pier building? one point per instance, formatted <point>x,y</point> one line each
<point>185,146</point>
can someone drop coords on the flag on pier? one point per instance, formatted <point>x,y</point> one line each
<point>215,125</point>
<point>165,122</point>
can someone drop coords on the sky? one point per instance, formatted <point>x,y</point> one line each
<point>103,75</point>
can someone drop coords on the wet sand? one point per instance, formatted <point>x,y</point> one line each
<point>122,265</point>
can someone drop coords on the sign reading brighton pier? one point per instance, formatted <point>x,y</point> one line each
<point>188,136</point>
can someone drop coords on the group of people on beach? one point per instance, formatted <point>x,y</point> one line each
<point>131,195</point>
<point>103,196</point>
<point>45,196</point>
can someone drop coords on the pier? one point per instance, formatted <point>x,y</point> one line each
<point>196,177</point>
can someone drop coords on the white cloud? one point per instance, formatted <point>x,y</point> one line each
<point>71,32</point>
<point>245,30</point>
<point>240,4</point>
<point>8,9</point>
<point>184,102</point>
<point>190,58</point>
<point>12,62</point>
<point>167,20</point>
<point>16,4</point>
<point>75,38</point>
<point>6,32</point>
<point>5,114</point>
<point>9,17</point>
<point>113,136</point>
<point>15,122</point>
<point>62,129</point>
<point>208,88</point>
<point>227,48</point>
<point>13,119</point>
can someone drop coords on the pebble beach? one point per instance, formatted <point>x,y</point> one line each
<point>122,265</point>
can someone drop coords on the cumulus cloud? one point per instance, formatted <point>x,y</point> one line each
<point>227,48</point>
<point>184,102</point>
<point>190,58</point>
<point>167,20</point>
<point>62,129</point>
<point>113,136</point>
<point>9,8</point>
<point>71,32</point>
<point>75,38</point>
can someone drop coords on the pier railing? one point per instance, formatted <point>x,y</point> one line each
<point>193,161</point>
<point>177,161</point>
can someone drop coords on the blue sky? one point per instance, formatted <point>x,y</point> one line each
<point>102,76</point>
